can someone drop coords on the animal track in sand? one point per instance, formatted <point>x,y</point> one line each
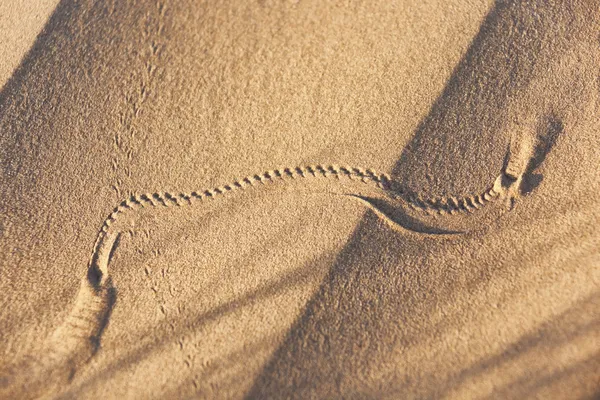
<point>77,338</point>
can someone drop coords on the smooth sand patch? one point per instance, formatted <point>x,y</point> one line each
<point>20,23</point>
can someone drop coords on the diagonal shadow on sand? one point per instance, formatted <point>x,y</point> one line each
<point>459,147</point>
<point>381,293</point>
<point>197,321</point>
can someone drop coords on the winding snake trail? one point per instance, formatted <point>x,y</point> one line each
<point>77,339</point>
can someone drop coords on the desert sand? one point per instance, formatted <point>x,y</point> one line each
<point>300,199</point>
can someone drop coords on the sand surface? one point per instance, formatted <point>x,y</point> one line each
<point>20,23</point>
<point>442,243</point>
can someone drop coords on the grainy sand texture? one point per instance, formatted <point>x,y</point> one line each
<point>277,199</point>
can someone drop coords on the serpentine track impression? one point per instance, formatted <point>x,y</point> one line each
<point>77,339</point>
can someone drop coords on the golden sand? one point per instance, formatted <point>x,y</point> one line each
<point>300,199</point>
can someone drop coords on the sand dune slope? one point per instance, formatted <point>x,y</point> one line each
<point>352,200</point>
